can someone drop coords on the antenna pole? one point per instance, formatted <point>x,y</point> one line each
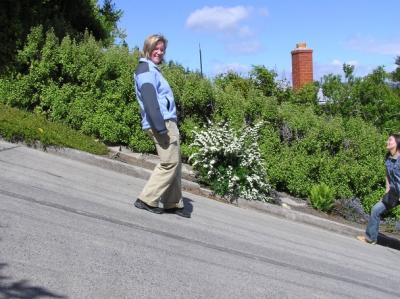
<point>201,62</point>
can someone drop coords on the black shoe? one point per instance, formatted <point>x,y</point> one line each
<point>178,211</point>
<point>140,204</point>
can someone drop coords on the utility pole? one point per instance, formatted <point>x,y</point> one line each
<point>201,62</point>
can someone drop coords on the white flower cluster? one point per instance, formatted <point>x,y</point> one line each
<point>224,159</point>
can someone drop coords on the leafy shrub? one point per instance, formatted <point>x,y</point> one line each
<point>302,148</point>
<point>187,128</point>
<point>322,198</point>
<point>231,165</point>
<point>307,95</point>
<point>229,106</point>
<point>17,125</point>
<point>371,199</point>
<point>80,84</point>
<point>396,212</point>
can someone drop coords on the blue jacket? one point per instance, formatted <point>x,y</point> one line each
<point>393,173</point>
<point>154,95</point>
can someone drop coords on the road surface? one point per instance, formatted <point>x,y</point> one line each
<point>69,230</point>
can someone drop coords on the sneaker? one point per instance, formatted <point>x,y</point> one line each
<point>366,240</point>
<point>140,204</point>
<point>178,211</point>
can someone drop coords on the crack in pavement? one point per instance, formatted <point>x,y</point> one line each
<point>30,168</point>
<point>8,148</point>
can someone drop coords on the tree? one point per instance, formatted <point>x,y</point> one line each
<point>369,97</point>
<point>348,70</point>
<point>264,79</point>
<point>109,17</point>
<point>396,72</point>
<point>233,80</point>
<point>66,17</point>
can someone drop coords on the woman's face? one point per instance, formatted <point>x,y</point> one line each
<point>157,54</point>
<point>391,144</point>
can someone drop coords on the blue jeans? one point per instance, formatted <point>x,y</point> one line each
<point>373,223</point>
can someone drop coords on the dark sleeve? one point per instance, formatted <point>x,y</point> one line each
<point>146,82</point>
<point>152,108</point>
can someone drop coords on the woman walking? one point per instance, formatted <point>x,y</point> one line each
<point>391,197</point>
<point>159,120</point>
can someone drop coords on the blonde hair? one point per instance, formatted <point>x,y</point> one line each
<point>151,42</point>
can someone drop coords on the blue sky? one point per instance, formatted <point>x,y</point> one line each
<point>238,34</point>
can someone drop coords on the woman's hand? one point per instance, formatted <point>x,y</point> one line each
<point>387,185</point>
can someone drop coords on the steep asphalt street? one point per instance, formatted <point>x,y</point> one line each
<point>69,230</point>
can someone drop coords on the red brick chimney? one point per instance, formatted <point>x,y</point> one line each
<point>302,65</point>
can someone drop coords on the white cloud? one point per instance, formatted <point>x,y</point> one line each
<point>371,45</point>
<point>218,18</point>
<point>336,62</point>
<point>233,26</point>
<point>221,68</point>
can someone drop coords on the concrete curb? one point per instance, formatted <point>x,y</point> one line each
<point>300,217</point>
<point>139,170</point>
<point>111,164</point>
<point>147,161</point>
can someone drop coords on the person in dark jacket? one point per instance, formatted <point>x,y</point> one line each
<point>159,120</point>
<point>391,197</point>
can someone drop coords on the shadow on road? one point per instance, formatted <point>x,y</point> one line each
<point>388,241</point>
<point>188,204</point>
<point>21,289</point>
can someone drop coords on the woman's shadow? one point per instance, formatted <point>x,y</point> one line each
<point>22,288</point>
<point>387,241</point>
<point>188,207</point>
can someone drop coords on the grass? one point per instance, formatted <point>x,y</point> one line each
<point>21,126</point>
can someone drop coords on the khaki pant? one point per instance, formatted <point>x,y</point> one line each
<point>164,183</point>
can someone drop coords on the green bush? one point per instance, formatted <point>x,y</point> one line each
<point>187,128</point>
<point>396,212</point>
<point>322,198</point>
<point>229,106</point>
<point>375,196</point>
<point>80,84</point>
<point>302,148</point>
<point>17,125</point>
<point>371,199</point>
